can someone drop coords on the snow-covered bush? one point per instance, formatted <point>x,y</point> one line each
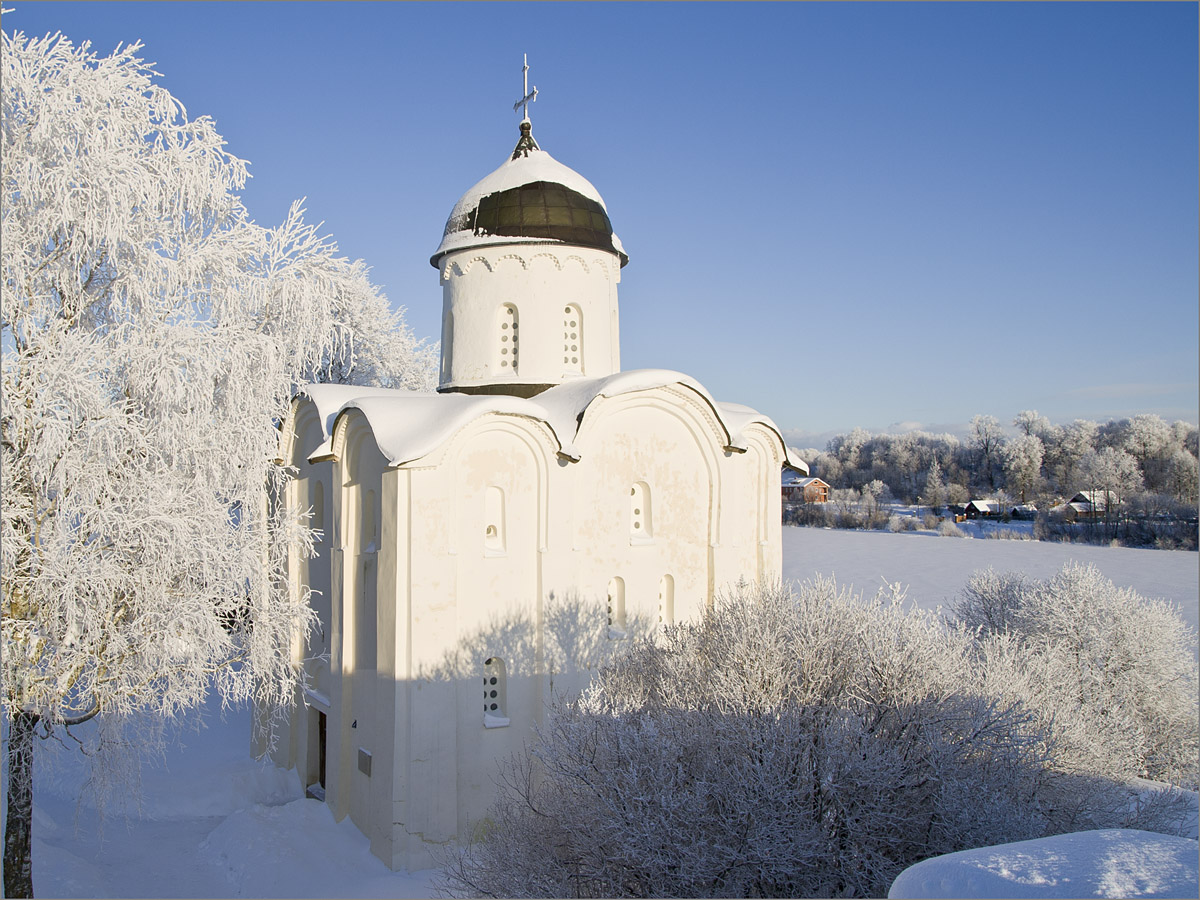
<point>1110,672</point>
<point>989,600</point>
<point>803,744</point>
<point>948,529</point>
<point>1007,534</point>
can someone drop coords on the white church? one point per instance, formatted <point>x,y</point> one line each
<point>485,547</point>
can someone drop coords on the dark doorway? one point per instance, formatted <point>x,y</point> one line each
<point>316,756</point>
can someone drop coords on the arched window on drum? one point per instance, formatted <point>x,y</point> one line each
<point>508,344</point>
<point>572,339</point>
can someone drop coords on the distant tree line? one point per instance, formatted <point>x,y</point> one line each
<point>1145,468</point>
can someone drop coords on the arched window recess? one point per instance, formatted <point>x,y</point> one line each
<point>641,520</point>
<point>617,624</point>
<point>495,690</point>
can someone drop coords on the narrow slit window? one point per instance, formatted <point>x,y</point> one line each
<point>666,600</point>
<point>495,703</point>
<point>640,519</point>
<point>508,340</point>
<point>572,339</point>
<point>493,521</point>
<point>616,608</point>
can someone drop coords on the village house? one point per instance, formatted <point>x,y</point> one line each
<point>799,488</point>
<point>981,509</point>
<point>1024,512</point>
<point>1082,507</point>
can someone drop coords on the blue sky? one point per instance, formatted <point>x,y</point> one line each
<point>842,214</point>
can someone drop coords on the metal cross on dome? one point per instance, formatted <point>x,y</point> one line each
<point>530,96</point>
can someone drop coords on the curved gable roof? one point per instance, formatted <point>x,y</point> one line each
<point>408,425</point>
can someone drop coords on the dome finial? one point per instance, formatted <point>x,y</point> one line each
<point>528,95</point>
<point>526,141</point>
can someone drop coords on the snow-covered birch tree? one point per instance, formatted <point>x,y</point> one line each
<point>987,437</point>
<point>152,335</point>
<point>1022,459</point>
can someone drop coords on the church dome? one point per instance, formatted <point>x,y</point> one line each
<point>531,199</point>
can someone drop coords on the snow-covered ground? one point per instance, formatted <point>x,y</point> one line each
<point>934,568</point>
<point>215,823</point>
<point>1109,863</point>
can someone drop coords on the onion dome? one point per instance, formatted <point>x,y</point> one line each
<point>531,199</point>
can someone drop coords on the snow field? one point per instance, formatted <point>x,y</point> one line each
<point>934,568</point>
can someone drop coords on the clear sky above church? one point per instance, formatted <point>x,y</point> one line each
<point>842,214</point>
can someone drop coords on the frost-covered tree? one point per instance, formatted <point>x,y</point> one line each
<point>987,437</point>
<point>1031,422</point>
<point>1182,476</point>
<point>1065,447</point>
<point>873,494</point>
<point>1111,674</point>
<point>1022,458</point>
<point>848,447</point>
<point>1187,436</point>
<point>934,494</point>
<point>1145,437</point>
<point>151,335</point>
<point>1112,475</point>
<point>957,493</point>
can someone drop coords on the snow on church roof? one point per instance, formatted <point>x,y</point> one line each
<point>330,398</point>
<point>531,198</point>
<point>409,425</point>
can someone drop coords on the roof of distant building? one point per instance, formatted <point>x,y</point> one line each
<point>791,479</point>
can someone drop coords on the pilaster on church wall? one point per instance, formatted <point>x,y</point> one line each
<point>752,511</point>
<point>430,811</point>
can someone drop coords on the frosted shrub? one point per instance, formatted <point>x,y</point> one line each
<point>1110,672</point>
<point>901,523</point>
<point>948,529</point>
<point>786,745</point>
<point>1008,534</point>
<point>990,599</point>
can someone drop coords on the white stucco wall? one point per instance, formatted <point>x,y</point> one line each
<point>541,283</point>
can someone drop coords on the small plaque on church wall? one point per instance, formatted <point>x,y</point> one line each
<point>364,762</point>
